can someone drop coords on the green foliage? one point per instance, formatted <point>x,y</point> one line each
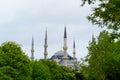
<point>15,65</point>
<point>59,72</point>
<point>89,2</point>
<point>40,71</point>
<point>103,59</point>
<point>7,73</point>
<point>12,58</point>
<point>106,14</point>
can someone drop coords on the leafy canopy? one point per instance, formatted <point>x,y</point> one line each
<point>14,64</point>
<point>106,14</point>
<point>103,58</point>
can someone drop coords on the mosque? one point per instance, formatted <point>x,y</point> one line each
<point>61,57</point>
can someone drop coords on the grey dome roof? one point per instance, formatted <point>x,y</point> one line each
<point>59,55</point>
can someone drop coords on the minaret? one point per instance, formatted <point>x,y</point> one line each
<point>74,55</point>
<point>74,52</point>
<point>45,46</point>
<point>32,49</point>
<point>65,48</point>
<point>93,38</point>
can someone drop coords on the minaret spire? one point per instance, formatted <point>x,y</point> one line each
<point>93,38</point>
<point>74,52</point>
<point>45,45</point>
<point>65,48</point>
<point>65,33</point>
<point>32,49</point>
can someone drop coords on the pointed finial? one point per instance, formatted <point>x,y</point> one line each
<point>93,38</point>
<point>74,51</point>
<point>32,49</point>
<point>46,36</point>
<point>74,44</point>
<point>65,33</point>
<point>32,43</point>
<point>32,40</point>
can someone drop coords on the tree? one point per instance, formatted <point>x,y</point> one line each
<point>58,72</point>
<point>7,73</point>
<point>40,71</point>
<point>14,64</point>
<point>106,14</point>
<point>49,70</point>
<point>103,59</point>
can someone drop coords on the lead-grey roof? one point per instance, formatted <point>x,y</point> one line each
<point>60,54</point>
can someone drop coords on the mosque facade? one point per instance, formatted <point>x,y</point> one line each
<point>61,57</point>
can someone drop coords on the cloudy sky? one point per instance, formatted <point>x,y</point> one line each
<point>20,19</point>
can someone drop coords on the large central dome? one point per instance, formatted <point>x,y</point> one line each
<point>59,55</point>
